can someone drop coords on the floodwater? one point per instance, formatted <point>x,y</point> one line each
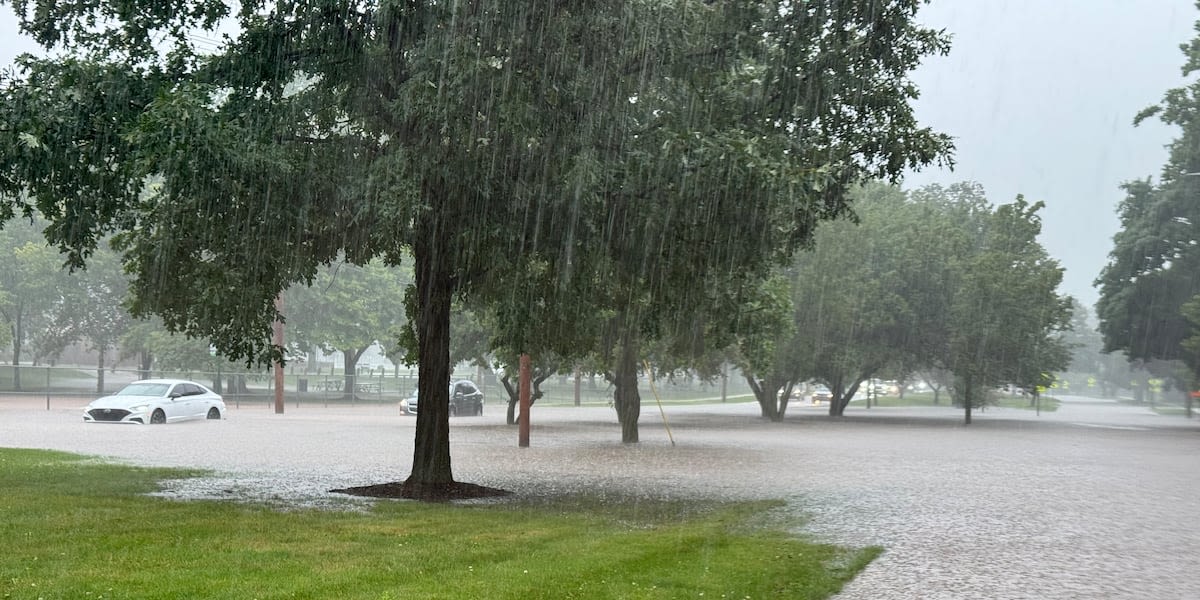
<point>1097,500</point>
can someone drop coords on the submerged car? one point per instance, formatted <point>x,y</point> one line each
<point>156,401</point>
<point>465,399</point>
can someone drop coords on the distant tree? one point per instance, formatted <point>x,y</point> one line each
<point>937,378</point>
<point>30,287</point>
<point>347,308</point>
<point>137,342</point>
<point>872,296</point>
<point>93,309</point>
<point>195,357</point>
<point>1006,313</point>
<point>768,346</point>
<point>1083,341</point>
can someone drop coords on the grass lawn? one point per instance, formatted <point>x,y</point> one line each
<point>926,399</point>
<point>74,527</point>
<point>34,378</point>
<point>1171,410</point>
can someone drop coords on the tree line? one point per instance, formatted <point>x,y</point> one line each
<point>1149,305</point>
<point>611,175</point>
<point>935,283</point>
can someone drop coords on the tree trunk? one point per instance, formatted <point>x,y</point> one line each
<point>937,395</point>
<point>771,396</point>
<point>145,360</point>
<point>537,377</point>
<point>18,338</point>
<point>967,401</point>
<point>837,408</point>
<point>100,372</point>
<point>626,398</point>
<point>435,288</point>
<point>842,396</point>
<point>350,357</point>
<point>514,398</point>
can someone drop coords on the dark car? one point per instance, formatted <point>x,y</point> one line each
<point>465,399</point>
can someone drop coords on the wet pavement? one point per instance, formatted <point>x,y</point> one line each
<point>1097,500</point>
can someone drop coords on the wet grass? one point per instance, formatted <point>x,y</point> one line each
<point>1171,410</point>
<point>1048,404</point>
<point>78,528</point>
<point>33,379</point>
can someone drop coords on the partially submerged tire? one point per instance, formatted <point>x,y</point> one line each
<point>158,417</point>
<point>214,414</point>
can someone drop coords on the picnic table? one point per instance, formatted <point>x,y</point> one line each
<point>368,387</point>
<point>330,385</point>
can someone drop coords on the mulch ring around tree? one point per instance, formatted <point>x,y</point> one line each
<point>428,492</point>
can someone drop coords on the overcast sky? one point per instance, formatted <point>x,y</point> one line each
<point>1040,96</point>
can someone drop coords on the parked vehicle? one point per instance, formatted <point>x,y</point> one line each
<point>821,394</point>
<point>465,399</point>
<point>155,401</point>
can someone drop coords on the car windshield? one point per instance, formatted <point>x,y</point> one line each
<point>144,389</point>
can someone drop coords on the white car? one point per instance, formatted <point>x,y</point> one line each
<point>156,401</point>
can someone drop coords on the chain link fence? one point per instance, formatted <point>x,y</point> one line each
<point>75,386</point>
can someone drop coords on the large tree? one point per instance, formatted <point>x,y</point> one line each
<point>871,295</point>
<point>721,181</point>
<point>1006,315</point>
<point>640,143</point>
<point>1151,272</point>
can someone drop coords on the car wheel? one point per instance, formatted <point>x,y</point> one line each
<point>158,417</point>
<point>479,410</point>
<point>214,414</point>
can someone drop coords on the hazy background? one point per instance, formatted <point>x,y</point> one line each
<point>1040,96</point>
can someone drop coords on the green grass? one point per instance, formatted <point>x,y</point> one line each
<point>926,399</point>
<point>74,527</point>
<point>1171,410</point>
<point>34,378</point>
<point>1048,403</point>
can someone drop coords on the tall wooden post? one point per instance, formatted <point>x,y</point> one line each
<point>523,398</point>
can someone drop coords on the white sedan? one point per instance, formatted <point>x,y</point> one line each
<point>156,401</point>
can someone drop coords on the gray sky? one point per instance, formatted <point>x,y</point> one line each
<point>1040,96</point>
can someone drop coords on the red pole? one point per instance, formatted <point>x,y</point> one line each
<point>278,341</point>
<point>523,398</point>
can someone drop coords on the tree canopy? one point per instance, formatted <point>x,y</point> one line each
<point>520,154</point>
<point>932,280</point>
<point>1151,273</point>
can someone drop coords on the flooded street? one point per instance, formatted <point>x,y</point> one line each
<point>1097,500</point>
